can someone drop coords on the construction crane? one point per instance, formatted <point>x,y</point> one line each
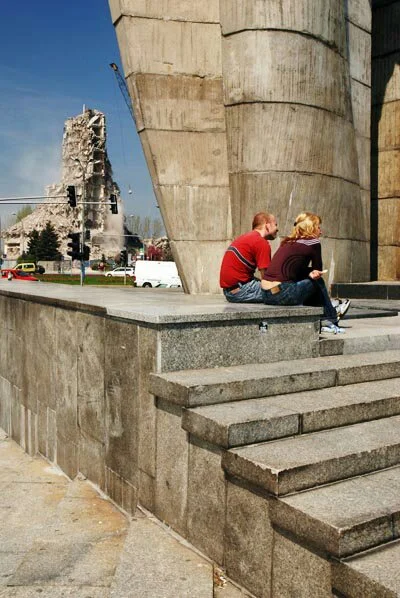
<point>123,88</point>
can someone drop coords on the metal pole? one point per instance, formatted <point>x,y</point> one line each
<point>31,197</point>
<point>83,225</point>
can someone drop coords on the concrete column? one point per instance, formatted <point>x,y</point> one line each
<point>171,55</point>
<point>385,172</point>
<point>297,112</point>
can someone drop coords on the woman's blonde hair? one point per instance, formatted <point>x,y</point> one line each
<point>305,227</point>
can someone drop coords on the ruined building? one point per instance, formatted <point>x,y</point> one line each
<point>85,164</point>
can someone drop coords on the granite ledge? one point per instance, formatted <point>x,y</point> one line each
<point>150,306</point>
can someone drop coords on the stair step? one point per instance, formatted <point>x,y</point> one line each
<point>192,388</point>
<point>346,517</point>
<point>309,460</point>
<point>258,420</point>
<point>374,573</point>
<point>358,312</point>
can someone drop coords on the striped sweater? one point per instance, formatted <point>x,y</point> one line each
<point>294,261</point>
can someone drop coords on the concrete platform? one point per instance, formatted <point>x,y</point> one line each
<point>155,306</point>
<point>364,334</point>
<point>62,539</point>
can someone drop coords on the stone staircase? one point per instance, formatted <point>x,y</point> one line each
<point>292,478</point>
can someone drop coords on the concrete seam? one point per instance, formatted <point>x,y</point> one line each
<point>367,85</point>
<point>243,103</point>
<point>213,131</point>
<point>271,567</point>
<point>384,103</point>
<point>167,20</point>
<point>325,43</point>
<point>207,76</point>
<point>386,149</point>
<point>358,26</point>
<point>307,173</point>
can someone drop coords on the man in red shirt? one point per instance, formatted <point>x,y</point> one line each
<point>247,253</point>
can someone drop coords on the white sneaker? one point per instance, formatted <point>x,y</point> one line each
<point>333,329</point>
<point>342,307</point>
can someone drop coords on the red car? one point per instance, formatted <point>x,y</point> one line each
<point>12,274</point>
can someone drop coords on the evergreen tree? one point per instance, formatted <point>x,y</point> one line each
<point>48,244</point>
<point>33,244</point>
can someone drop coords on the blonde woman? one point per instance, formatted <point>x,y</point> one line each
<point>297,265</point>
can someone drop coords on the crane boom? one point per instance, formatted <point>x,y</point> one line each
<point>124,89</point>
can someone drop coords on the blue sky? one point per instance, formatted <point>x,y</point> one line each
<point>54,58</point>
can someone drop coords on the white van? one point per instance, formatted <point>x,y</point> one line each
<point>155,274</point>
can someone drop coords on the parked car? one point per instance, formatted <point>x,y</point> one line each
<point>157,274</point>
<point>120,271</point>
<point>13,273</point>
<point>30,267</point>
<point>173,283</point>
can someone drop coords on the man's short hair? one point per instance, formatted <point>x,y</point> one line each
<point>261,218</point>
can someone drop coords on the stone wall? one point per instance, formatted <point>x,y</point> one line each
<point>74,375</point>
<point>386,140</point>
<point>66,379</point>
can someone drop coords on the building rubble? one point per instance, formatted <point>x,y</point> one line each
<point>85,164</point>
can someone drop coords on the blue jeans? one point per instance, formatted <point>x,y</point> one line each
<point>249,292</point>
<point>304,292</point>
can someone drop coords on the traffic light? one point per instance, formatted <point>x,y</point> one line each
<point>113,204</point>
<point>75,252</point>
<point>71,196</point>
<point>87,235</point>
<point>123,257</point>
<point>86,253</point>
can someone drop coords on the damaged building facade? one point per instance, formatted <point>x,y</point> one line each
<point>85,164</point>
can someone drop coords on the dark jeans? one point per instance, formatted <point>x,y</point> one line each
<point>304,292</point>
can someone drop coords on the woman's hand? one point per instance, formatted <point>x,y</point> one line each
<point>314,274</point>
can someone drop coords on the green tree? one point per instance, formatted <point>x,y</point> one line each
<point>33,244</point>
<point>48,244</point>
<point>23,212</point>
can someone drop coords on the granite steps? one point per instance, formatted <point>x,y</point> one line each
<point>326,435</point>
<point>193,388</point>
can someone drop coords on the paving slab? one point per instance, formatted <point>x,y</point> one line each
<point>259,420</point>
<point>309,460</point>
<point>153,563</point>
<point>192,388</point>
<point>63,539</point>
<point>346,517</point>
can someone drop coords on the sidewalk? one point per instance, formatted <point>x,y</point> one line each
<point>62,539</point>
